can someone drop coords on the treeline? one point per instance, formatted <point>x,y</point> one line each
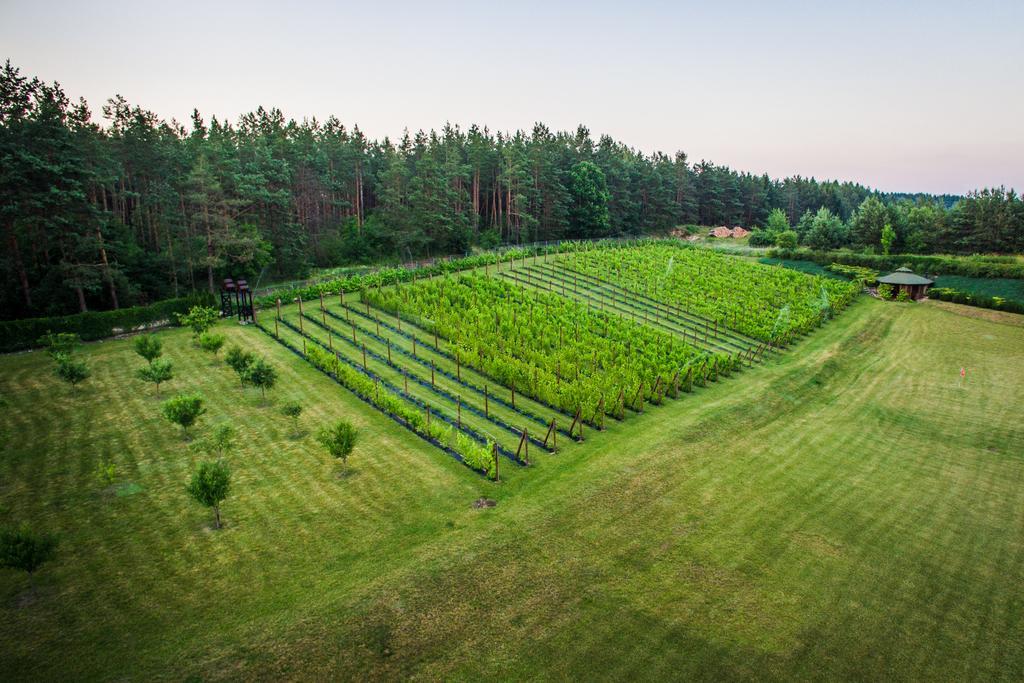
<point>989,221</point>
<point>140,209</point>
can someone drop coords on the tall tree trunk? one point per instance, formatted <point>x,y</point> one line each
<point>82,308</point>
<point>19,265</point>
<point>106,269</point>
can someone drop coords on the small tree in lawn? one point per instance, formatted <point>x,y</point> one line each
<point>210,485</point>
<point>25,550</point>
<point>260,373</point>
<point>339,439</point>
<point>71,370</point>
<point>157,372</point>
<point>58,343</point>
<point>183,410</point>
<point>199,318</point>
<point>209,341</point>
<point>292,409</point>
<point>149,347</point>
<point>238,360</point>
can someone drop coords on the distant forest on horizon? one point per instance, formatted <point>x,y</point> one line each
<point>141,209</point>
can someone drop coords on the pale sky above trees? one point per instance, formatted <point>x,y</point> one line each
<point>901,96</point>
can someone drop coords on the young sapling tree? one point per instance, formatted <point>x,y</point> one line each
<point>339,440</point>
<point>210,485</point>
<point>158,371</point>
<point>292,409</point>
<point>149,347</point>
<point>260,373</point>
<point>25,550</point>
<point>71,370</point>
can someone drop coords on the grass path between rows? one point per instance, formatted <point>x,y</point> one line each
<point>848,509</point>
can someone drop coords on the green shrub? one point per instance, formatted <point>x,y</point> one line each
<point>199,318</point>
<point>885,291</point>
<point>787,239</point>
<point>238,360</point>
<point>903,296</point>
<point>208,341</point>
<point>183,410</point>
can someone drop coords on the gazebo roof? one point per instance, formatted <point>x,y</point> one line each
<point>904,276</point>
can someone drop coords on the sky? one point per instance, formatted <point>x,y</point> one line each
<point>901,96</point>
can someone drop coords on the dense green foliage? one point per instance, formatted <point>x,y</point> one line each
<point>768,303</point>
<point>548,347</point>
<point>141,208</point>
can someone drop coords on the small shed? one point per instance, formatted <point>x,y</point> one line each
<point>905,280</point>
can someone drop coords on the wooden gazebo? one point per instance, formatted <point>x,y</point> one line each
<point>905,280</point>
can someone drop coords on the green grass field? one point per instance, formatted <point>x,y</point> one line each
<point>847,509</point>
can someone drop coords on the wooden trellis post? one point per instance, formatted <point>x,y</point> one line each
<point>436,347</point>
<point>524,442</point>
<point>330,341</point>
<point>414,346</point>
<point>300,306</point>
<point>323,311</point>
<point>398,314</point>
<point>639,398</point>
<point>552,434</point>
<point>487,411</point>
<point>279,308</point>
<point>354,340</point>
<point>377,320</point>
<point>513,394</point>
<point>303,346</point>
<point>389,350</point>
<point>496,478</point>
<point>341,296</point>
<point>364,356</point>
<point>405,380</point>
<point>458,366</point>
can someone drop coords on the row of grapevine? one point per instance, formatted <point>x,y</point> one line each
<point>473,454</point>
<point>767,303</point>
<point>550,348</point>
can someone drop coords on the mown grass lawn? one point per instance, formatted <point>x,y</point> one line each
<point>851,509</point>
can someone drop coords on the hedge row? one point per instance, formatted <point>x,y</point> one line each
<point>968,266</point>
<point>17,335</point>
<point>980,300</point>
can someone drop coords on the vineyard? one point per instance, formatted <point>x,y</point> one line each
<point>486,364</point>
